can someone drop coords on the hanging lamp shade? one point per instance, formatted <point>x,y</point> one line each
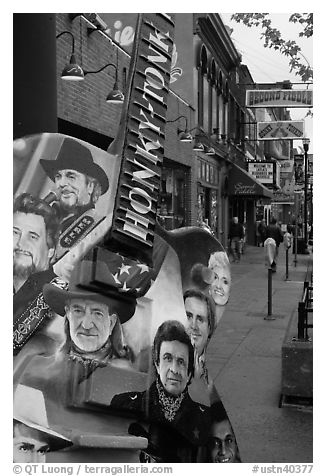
<point>115,96</point>
<point>185,136</point>
<point>72,71</point>
<point>198,146</point>
<point>210,151</point>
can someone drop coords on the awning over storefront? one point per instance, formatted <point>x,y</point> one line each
<point>243,184</point>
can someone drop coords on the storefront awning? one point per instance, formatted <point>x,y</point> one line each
<point>243,184</point>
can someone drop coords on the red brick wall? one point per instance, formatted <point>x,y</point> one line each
<point>83,102</point>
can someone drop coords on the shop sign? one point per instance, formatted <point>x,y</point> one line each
<point>121,27</point>
<point>243,189</point>
<point>280,130</point>
<point>287,166</point>
<point>142,133</point>
<point>279,98</point>
<point>299,169</point>
<point>263,172</point>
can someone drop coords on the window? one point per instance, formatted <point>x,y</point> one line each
<point>214,109</point>
<point>206,105</point>
<point>202,88</point>
<point>171,211</point>
<point>226,108</point>
<point>220,105</point>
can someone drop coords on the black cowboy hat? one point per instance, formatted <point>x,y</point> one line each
<point>112,279</point>
<point>75,156</point>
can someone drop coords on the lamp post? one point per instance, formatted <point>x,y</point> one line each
<point>305,142</point>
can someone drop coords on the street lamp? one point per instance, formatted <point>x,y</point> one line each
<point>72,71</point>
<point>115,96</point>
<point>184,136</point>
<point>305,142</point>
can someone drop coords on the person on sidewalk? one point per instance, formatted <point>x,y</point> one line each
<point>235,235</point>
<point>262,232</point>
<point>273,231</point>
<point>287,238</point>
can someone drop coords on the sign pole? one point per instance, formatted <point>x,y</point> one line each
<point>287,264</point>
<point>269,316</point>
<point>296,211</point>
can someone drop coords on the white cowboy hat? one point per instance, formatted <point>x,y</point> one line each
<point>29,409</point>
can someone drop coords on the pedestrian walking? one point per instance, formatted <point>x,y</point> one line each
<point>262,232</point>
<point>242,242</point>
<point>274,231</point>
<point>287,237</point>
<point>235,235</point>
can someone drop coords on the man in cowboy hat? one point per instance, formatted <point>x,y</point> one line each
<point>79,183</point>
<point>94,356</point>
<point>32,436</point>
<point>92,318</point>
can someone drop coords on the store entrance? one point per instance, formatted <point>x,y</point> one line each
<point>207,207</point>
<point>171,210</point>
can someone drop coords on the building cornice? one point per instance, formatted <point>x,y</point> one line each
<point>214,33</point>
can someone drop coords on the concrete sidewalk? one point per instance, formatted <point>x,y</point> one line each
<point>244,359</point>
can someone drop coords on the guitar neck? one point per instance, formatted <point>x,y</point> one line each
<point>141,136</point>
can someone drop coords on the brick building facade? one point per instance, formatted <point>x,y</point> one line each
<point>206,94</point>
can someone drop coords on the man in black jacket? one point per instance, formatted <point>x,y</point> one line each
<point>235,235</point>
<point>177,426</point>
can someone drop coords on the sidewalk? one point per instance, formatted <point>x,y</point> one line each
<point>244,359</point>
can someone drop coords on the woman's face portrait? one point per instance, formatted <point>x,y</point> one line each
<point>221,285</point>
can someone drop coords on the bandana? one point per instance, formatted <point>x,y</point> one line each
<point>90,361</point>
<point>169,404</point>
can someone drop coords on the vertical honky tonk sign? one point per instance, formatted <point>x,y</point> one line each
<point>141,136</point>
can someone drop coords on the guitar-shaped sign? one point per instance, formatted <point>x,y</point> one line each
<point>103,295</point>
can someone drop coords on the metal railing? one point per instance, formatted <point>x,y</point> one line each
<point>305,307</point>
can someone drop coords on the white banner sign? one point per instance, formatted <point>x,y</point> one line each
<point>263,172</point>
<point>279,98</point>
<point>280,130</point>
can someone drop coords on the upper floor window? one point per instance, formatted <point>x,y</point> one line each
<point>202,87</point>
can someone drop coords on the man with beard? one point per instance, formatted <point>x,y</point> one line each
<point>174,424</point>
<point>34,231</point>
<point>79,183</point>
<point>93,343</point>
<point>34,228</point>
<point>92,320</point>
